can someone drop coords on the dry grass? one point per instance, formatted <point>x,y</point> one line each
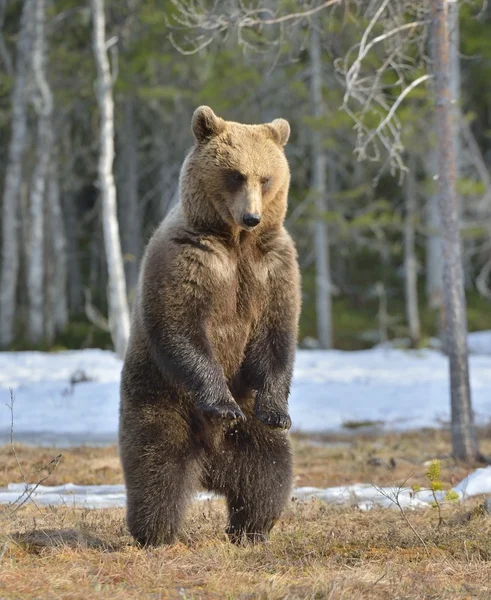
<point>316,551</point>
<point>320,462</point>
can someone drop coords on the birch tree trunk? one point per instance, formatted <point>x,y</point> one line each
<point>464,439</point>
<point>119,320</point>
<point>410,262</point>
<point>129,210</point>
<point>43,102</point>
<point>319,189</point>
<point>13,178</point>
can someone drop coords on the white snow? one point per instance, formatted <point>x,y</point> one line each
<point>398,388</point>
<point>366,495</point>
<point>478,482</point>
<point>81,496</point>
<point>479,342</point>
<point>363,495</point>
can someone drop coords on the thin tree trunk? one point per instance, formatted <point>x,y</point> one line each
<point>22,299</point>
<point>383,312</point>
<point>455,84</point>
<point>410,262</point>
<point>319,188</point>
<point>13,179</point>
<point>464,438</point>
<point>119,319</point>
<point>434,259</point>
<point>129,210</point>
<point>96,248</point>
<point>4,53</point>
<point>49,281</point>
<point>434,256</point>
<point>453,9</point>
<point>75,289</point>
<point>43,103</point>
<point>58,286</point>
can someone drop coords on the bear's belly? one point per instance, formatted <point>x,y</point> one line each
<point>228,338</point>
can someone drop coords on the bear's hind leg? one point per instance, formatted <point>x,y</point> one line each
<point>161,473</point>
<point>156,502</point>
<point>257,481</point>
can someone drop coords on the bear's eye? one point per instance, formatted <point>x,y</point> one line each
<point>265,181</point>
<point>236,177</point>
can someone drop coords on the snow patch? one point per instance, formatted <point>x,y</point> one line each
<point>363,495</point>
<point>479,342</point>
<point>399,388</point>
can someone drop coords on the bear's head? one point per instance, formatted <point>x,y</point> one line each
<point>236,175</point>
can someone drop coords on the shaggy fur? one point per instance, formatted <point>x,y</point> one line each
<point>207,372</point>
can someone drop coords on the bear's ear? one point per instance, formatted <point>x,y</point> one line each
<point>280,129</point>
<point>205,124</point>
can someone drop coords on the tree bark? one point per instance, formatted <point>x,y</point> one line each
<point>410,262</point>
<point>119,320</point>
<point>434,258</point>
<point>319,189</point>
<point>464,438</point>
<point>75,288</point>
<point>454,50</point>
<point>129,210</point>
<point>13,178</point>
<point>4,53</point>
<point>57,286</point>
<point>49,279</point>
<point>43,102</point>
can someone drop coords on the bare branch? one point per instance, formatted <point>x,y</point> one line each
<point>28,489</point>
<point>93,314</point>
<point>375,92</point>
<point>394,497</point>
<point>298,15</point>
<point>396,104</point>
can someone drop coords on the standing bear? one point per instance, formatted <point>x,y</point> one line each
<point>207,372</point>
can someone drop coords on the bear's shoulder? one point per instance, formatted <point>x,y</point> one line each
<point>177,251</point>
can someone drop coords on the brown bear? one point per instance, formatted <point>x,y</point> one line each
<point>207,371</point>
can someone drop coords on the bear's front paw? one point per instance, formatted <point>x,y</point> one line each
<point>225,410</point>
<point>274,418</point>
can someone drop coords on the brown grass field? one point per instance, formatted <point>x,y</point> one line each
<point>315,551</point>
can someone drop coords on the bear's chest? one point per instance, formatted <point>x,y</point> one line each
<point>237,306</point>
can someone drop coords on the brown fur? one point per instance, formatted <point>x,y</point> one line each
<point>207,372</point>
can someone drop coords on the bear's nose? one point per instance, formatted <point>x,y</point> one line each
<point>251,219</point>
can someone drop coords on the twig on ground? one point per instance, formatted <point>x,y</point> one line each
<point>28,489</point>
<point>394,498</point>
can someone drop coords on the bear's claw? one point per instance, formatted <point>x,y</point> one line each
<point>274,418</point>
<point>228,411</point>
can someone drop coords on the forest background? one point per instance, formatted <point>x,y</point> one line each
<point>364,216</point>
